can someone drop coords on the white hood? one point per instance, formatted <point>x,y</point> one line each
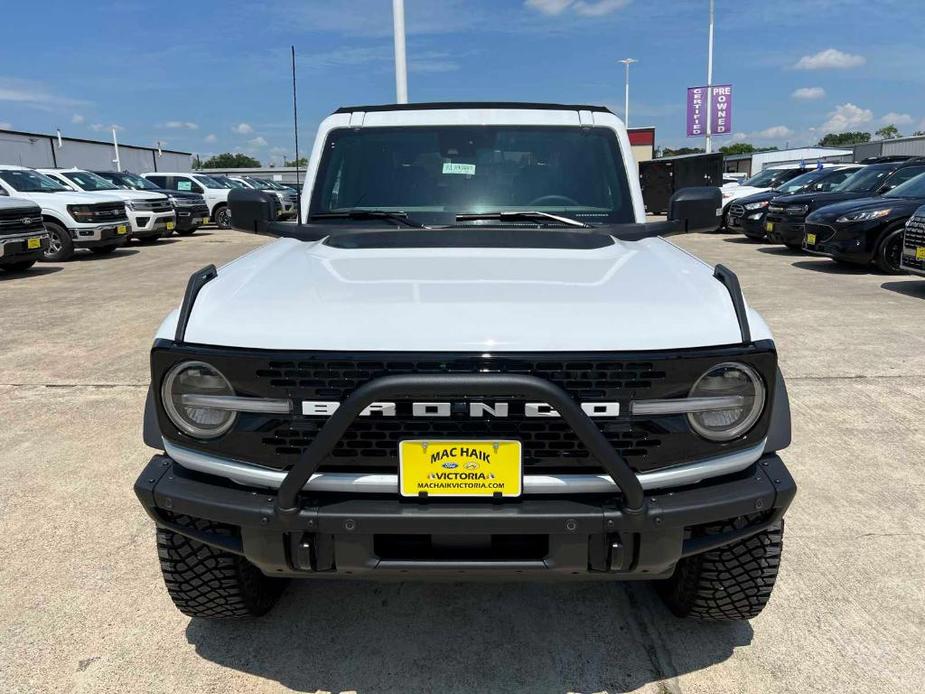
<point>71,197</point>
<point>309,296</point>
<point>123,195</point>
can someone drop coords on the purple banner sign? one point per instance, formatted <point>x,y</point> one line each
<point>721,116</point>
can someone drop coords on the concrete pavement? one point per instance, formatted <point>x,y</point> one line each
<point>82,606</point>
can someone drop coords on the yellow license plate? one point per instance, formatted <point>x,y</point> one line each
<point>204,220</point>
<point>769,226</point>
<point>920,253</point>
<point>121,229</point>
<point>37,243</point>
<point>810,239</point>
<point>171,226</point>
<point>460,468</point>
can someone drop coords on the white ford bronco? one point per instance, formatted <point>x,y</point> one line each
<point>474,359</point>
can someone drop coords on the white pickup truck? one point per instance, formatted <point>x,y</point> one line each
<point>73,220</point>
<point>474,359</point>
<point>150,215</point>
<point>215,192</point>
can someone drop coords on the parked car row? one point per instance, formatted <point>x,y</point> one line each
<point>852,213</point>
<point>48,214</point>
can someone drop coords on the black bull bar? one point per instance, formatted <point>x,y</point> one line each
<point>515,386</point>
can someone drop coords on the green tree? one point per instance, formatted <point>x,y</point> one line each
<point>888,132</point>
<point>227,160</point>
<point>744,148</point>
<point>844,139</point>
<point>668,152</point>
<point>301,161</point>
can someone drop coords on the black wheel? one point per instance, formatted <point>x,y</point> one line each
<point>889,253</point>
<point>223,217</point>
<point>794,246</point>
<point>726,584</point>
<point>60,245</point>
<point>103,250</point>
<point>209,583</point>
<point>18,267</point>
<point>150,239</point>
<point>186,232</point>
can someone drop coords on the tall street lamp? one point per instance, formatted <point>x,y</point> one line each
<point>626,103</point>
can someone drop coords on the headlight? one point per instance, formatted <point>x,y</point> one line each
<point>81,213</point>
<point>756,205</point>
<point>864,216</point>
<point>796,209</point>
<point>192,378</point>
<point>739,385</point>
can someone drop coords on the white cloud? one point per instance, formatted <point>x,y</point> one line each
<point>77,119</point>
<point>847,117</point>
<point>210,137</point>
<point>242,129</point>
<point>776,132</point>
<point>5,125</point>
<point>830,58</point>
<point>739,137</point>
<point>585,8</point>
<point>808,93</point>
<point>257,142</point>
<point>893,118</point>
<point>97,127</point>
<point>33,94</point>
<point>178,124</point>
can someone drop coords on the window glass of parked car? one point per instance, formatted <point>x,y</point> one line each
<point>816,180</point>
<point>868,178</point>
<point>904,174</point>
<point>440,171</point>
<point>210,182</point>
<point>772,178</point>
<point>228,182</point>
<point>913,188</point>
<point>130,181</point>
<point>25,181</point>
<point>88,181</point>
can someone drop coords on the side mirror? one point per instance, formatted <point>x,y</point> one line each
<point>252,211</point>
<point>697,209</point>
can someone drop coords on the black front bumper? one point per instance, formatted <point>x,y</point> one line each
<point>378,536</point>
<point>191,217</point>
<point>18,251</point>
<point>847,243</point>
<point>785,229</point>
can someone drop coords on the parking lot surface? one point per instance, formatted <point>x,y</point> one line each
<point>82,606</point>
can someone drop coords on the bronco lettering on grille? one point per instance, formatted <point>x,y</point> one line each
<point>325,408</point>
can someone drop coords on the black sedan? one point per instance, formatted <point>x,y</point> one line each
<point>747,214</point>
<point>785,218</point>
<point>866,230</point>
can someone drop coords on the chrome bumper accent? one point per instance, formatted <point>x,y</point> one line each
<point>10,238</point>
<point>381,483</point>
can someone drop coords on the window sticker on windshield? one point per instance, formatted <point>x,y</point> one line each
<point>465,169</point>
<point>184,185</point>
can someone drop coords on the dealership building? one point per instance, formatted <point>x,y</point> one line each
<point>37,150</point>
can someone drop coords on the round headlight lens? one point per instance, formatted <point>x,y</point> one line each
<point>730,380</point>
<point>196,378</point>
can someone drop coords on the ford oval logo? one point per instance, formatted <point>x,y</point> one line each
<point>450,465</point>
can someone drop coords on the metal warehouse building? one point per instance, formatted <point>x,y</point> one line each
<point>49,151</point>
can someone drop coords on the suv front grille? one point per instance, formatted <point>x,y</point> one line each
<point>736,211</point>
<point>14,221</point>
<point>108,211</point>
<point>549,444</point>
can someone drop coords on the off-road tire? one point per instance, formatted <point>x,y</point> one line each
<point>21,266</point>
<point>103,250</point>
<point>889,253</point>
<point>209,583</point>
<point>60,246</point>
<point>731,583</point>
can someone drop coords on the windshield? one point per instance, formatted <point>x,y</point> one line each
<point>25,181</point>
<point>913,188</point>
<point>436,172</point>
<point>864,180</point>
<point>88,181</point>
<point>796,184</point>
<point>264,183</point>
<point>771,178</point>
<point>134,182</point>
<point>210,182</point>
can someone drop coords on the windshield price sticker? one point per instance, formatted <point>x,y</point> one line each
<point>184,185</point>
<point>453,168</point>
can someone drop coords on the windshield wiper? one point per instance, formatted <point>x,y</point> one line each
<point>392,216</point>
<point>532,216</point>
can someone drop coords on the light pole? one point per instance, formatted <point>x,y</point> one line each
<point>401,69</point>
<point>709,139</point>
<point>626,100</point>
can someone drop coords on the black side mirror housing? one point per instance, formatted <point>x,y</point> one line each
<point>697,209</point>
<point>252,211</point>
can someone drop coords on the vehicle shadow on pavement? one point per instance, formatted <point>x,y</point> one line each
<point>831,267</point>
<point>779,250</point>
<point>121,252</point>
<point>913,288</point>
<point>744,240</point>
<point>465,637</point>
<point>34,271</point>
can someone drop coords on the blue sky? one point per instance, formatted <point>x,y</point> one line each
<point>211,76</point>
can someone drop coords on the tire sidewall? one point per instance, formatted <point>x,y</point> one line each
<point>59,233</point>
<point>883,261</point>
<point>223,217</point>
